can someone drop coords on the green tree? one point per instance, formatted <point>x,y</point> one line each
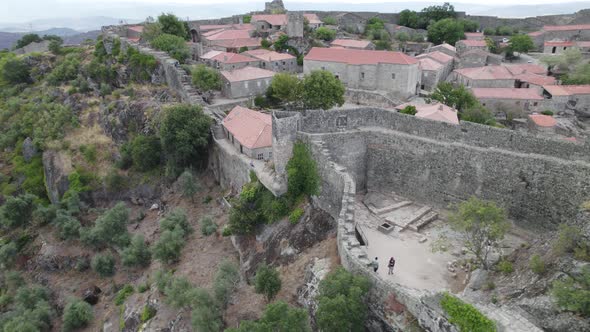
<point>375,28</point>
<point>103,264</point>
<point>321,89</point>
<point>55,47</point>
<point>172,25</point>
<point>189,185</point>
<point>437,13</point>
<point>8,252</point>
<point>286,88</point>
<point>410,110</point>
<point>580,75</point>
<point>324,33</point>
<point>67,225</point>
<point>16,71</point>
<point>179,293</point>
<point>572,293</point>
<point>521,43</point>
<point>205,78</point>
<point>225,283</point>
<point>206,315</point>
<point>302,174</point>
<point>109,229</point>
<point>330,20</point>
<point>247,19</point>
<point>173,45</point>
<point>169,246</point>
<point>478,114</point>
<point>408,18</point>
<point>281,43</point>
<point>402,36</point>
<point>489,31</point>
<point>177,219</point>
<point>267,281</point>
<point>465,316</point>
<point>208,226</point>
<point>137,253</point>
<point>17,211</point>
<point>146,152</point>
<point>27,39</point>
<point>446,31</point>
<point>77,314</point>
<point>469,26</point>
<point>383,45</point>
<point>482,225</point>
<point>278,316</point>
<point>459,98</point>
<point>184,133</point>
<point>151,31</point>
<point>341,301</point>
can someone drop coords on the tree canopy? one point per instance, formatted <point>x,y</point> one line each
<point>27,39</point>
<point>447,30</point>
<point>322,90</point>
<point>285,87</point>
<point>267,281</point>
<point>278,316</point>
<point>302,174</point>
<point>426,17</point>
<point>521,43</point>
<point>173,25</point>
<point>459,98</point>
<point>173,45</point>
<point>205,78</point>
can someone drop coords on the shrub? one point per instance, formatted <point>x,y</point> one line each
<point>68,226</point>
<point>175,46</point>
<point>176,219</point>
<point>27,39</point>
<point>537,264</point>
<point>478,114</point>
<point>89,153</point>
<point>189,185</point>
<point>103,264</point>
<point>267,282</point>
<point>109,229</point>
<point>296,215</point>
<point>302,174</point>
<point>324,33</point>
<point>205,78</point>
<point>77,314</point>
<point>168,247</point>
<point>179,293</point>
<point>162,279</point>
<point>206,315</point>
<point>114,181</point>
<point>16,71</point>
<point>383,45</point>
<point>208,226</point>
<point>8,252</point>
<point>17,211</point>
<point>226,281</point>
<point>278,316</point>
<point>148,313</point>
<point>105,90</point>
<point>123,294</point>
<point>142,288</point>
<point>569,238</point>
<point>573,292</point>
<point>141,65</point>
<point>330,20</point>
<point>465,316</point>
<point>146,152</point>
<point>341,302</point>
<point>505,266</point>
<point>67,70</point>
<point>265,43</point>
<point>547,112</point>
<point>137,253</point>
<point>44,215</point>
<point>172,25</point>
<point>410,110</point>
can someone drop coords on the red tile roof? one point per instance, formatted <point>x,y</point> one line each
<point>566,27</point>
<point>583,43</point>
<point>247,74</point>
<point>252,129</point>
<point>227,34</point>
<point>136,28</point>
<point>486,73</point>
<point>226,57</point>
<point>567,90</point>
<point>359,57</point>
<point>437,56</point>
<point>447,46</point>
<point>536,79</point>
<point>135,40</point>
<point>313,19</point>
<point>474,35</point>
<point>559,43</point>
<point>436,111</point>
<point>351,43</point>
<point>209,27</point>
<point>267,55</point>
<point>543,120</point>
<point>506,93</point>
<point>237,43</point>
<point>516,69</point>
<point>430,64</point>
<point>473,43</point>
<point>535,33</point>
<point>274,19</point>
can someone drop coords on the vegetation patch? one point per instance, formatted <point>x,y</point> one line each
<point>465,316</point>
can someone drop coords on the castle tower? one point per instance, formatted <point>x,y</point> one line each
<point>284,135</point>
<point>274,7</point>
<point>295,25</point>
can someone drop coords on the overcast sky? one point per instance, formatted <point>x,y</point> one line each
<point>27,10</point>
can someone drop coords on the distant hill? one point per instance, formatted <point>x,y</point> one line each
<point>79,24</point>
<point>70,37</point>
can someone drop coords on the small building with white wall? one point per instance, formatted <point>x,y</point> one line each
<point>245,82</point>
<point>271,60</point>
<point>250,132</point>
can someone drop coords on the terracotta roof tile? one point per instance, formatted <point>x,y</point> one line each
<point>506,93</point>
<point>313,19</point>
<point>237,43</point>
<point>227,34</point>
<point>567,90</point>
<point>566,27</point>
<point>535,33</point>
<point>472,43</point>
<point>252,129</point>
<point>226,57</point>
<point>436,111</point>
<point>559,43</point>
<point>438,56</point>
<point>430,64</point>
<point>136,28</point>
<point>516,69</point>
<point>542,120</point>
<point>536,79</point>
<point>474,35</point>
<point>267,55</point>
<point>351,43</point>
<point>486,73</point>
<point>247,74</point>
<point>209,27</point>
<point>583,43</point>
<point>274,19</point>
<point>359,57</point>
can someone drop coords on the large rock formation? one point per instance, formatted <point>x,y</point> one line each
<point>56,167</point>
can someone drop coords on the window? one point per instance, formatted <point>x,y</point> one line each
<point>362,76</point>
<point>323,68</point>
<point>260,156</point>
<point>535,103</point>
<point>337,77</point>
<point>392,76</point>
<point>284,63</point>
<point>270,154</point>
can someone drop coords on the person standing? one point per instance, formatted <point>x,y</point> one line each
<point>375,264</point>
<point>391,265</point>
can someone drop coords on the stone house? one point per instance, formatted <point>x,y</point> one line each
<point>291,23</point>
<point>134,32</point>
<point>245,82</point>
<point>478,58</point>
<point>229,39</point>
<point>386,71</point>
<point>353,44</point>
<point>470,44</point>
<point>568,97</point>
<point>557,46</point>
<point>584,46</point>
<point>413,48</point>
<point>250,132</point>
<point>474,36</point>
<point>444,48</point>
<point>541,122</point>
<point>483,77</point>
<point>227,61</point>
<point>503,100</point>
<point>435,112</point>
<point>271,60</point>
<point>351,22</point>
<point>313,21</point>
<point>432,73</point>
<point>446,60</point>
<point>573,32</point>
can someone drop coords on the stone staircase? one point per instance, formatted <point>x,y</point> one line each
<point>508,319</point>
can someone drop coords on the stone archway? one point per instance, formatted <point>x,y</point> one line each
<point>195,37</point>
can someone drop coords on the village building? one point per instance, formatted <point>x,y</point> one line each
<point>351,22</point>
<point>557,46</point>
<point>542,123</point>
<point>291,23</point>
<point>414,48</point>
<point>503,100</point>
<point>271,60</point>
<point>435,112</point>
<point>197,31</point>
<point>470,44</point>
<point>245,82</point>
<point>313,21</point>
<point>386,71</point>
<point>134,32</point>
<point>353,44</point>
<point>444,48</point>
<point>575,32</point>
<point>478,58</point>
<point>250,132</point>
<point>484,77</point>
<point>432,73</point>
<point>227,61</point>
<point>568,97</point>
<point>474,36</point>
<point>230,40</point>
<point>446,60</point>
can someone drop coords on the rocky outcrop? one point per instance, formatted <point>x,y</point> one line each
<point>56,167</point>
<point>29,149</point>
<point>281,242</point>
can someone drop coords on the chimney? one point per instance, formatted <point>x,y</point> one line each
<point>440,107</point>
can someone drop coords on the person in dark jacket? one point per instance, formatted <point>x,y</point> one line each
<point>391,265</point>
